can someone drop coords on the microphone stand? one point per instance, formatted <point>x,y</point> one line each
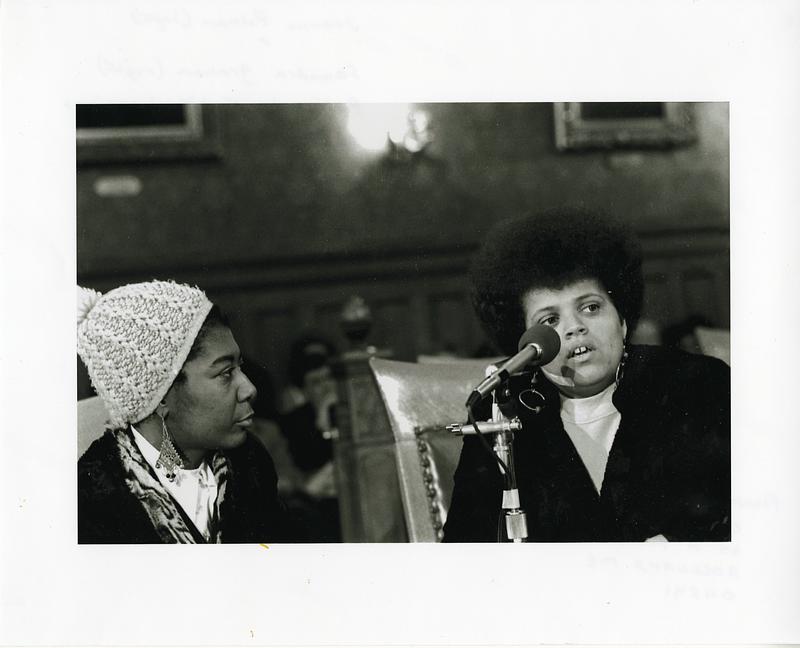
<point>516,521</point>
<point>503,429</point>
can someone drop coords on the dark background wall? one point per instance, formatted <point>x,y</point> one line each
<point>292,217</point>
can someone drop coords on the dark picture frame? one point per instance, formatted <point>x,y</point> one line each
<point>623,125</point>
<point>108,133</point>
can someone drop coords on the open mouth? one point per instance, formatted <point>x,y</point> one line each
<point>577,352</point>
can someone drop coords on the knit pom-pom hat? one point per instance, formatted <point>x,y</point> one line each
<point>134,341</point>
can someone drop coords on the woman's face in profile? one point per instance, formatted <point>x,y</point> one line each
<point>211,409</point>
<point>591,331</point>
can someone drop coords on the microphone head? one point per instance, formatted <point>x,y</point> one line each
<point>546,338</point>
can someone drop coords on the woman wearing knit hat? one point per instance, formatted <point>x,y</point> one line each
<point>176,463</point>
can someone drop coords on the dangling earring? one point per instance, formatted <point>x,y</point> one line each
<point>168,458</point>
<point>532,398</point>
<point>621,366</point>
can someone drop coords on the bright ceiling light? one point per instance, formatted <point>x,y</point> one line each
<point>372,124</point>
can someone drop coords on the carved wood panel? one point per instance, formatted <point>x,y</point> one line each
<point>421,304</point>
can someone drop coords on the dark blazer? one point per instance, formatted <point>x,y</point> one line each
<point>109,513</point>
<point>668,471</point>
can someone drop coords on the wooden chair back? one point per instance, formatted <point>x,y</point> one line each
<point>420,401</point>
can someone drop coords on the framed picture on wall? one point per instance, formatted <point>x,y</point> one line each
<point>142,132</point>
<point>599,125</point>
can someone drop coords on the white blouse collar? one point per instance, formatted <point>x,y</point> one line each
<point>591,408</point>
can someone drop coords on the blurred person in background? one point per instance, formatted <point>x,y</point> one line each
<point>308,422</point>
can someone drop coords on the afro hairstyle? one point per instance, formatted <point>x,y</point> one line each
<point>551,250</point>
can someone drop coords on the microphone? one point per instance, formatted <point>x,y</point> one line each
<point>537,346</point>
<point>486,427</point>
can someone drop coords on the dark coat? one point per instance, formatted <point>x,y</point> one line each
<point>109,513</point>
<point>668,471</point>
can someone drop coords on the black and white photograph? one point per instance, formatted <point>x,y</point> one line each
<point>379,324</point>
<point>404,249</point>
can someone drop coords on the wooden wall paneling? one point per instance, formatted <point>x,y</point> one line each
<point>679,310</point>
<point>699,286</point>
<point>710,286</point>
<point>270,331</point>
<point>327,316</point>
<point>421,302</point>
<point>306,311</point>
<point>700,258</point>
<point>450,322</point>
<point>394,327</point>
<point>667,303</point>
<point>723,294</point>
<point>658,299</point>
<point>420,312</point>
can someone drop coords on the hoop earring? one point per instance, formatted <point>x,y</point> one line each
<point>168,458</point>
<point>532,398</point>
<point>621,367</point>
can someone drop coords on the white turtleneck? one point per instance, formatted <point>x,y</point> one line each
<point>195,490</point>
<point>591,424</point>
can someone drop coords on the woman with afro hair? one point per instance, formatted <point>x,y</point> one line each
<point>619,442</point>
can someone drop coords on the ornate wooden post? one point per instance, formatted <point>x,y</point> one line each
<point>371,509</point>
